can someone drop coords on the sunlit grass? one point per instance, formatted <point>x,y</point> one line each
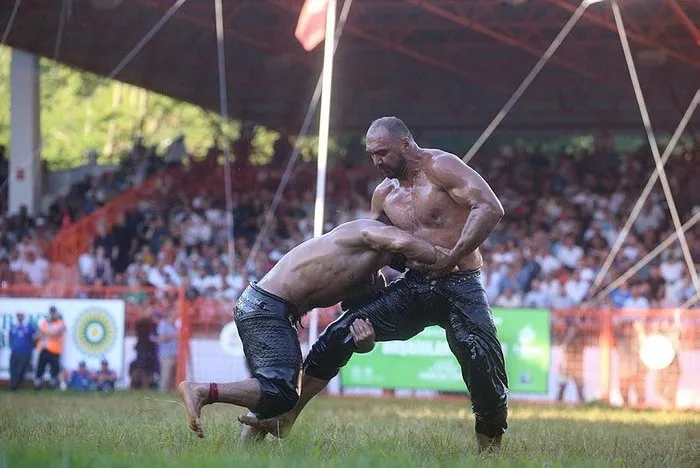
<point>149,430</point>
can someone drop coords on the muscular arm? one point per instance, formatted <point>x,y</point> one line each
<point>469,190</point>
<point>393,239</point>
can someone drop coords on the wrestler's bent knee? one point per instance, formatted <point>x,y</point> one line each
<point>332,351</point>
<point>279,392</point>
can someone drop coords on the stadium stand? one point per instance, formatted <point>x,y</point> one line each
<point>563,216</point>
<point>162,247</point>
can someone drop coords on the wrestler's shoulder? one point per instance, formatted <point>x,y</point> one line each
<point>437,158</point>
<point>440,163</point>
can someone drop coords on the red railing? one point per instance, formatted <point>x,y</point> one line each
<point>75,239</point>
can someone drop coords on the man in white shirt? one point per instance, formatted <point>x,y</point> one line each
<point>588,270</point>
<point>576,288</point>
<point>649,218</point>
<point>36,268</point>
<point>509,299</point>
<point>86,265</point>
<point>561,300</point>
<point>636,301</point>
<point>538,296</point>
<point>548,262</point>
<point>672,268</point>
<point>568,253</point>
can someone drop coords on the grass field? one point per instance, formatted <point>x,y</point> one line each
<point>149,430</point>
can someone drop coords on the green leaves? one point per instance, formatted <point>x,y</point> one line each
<point>81,111</point>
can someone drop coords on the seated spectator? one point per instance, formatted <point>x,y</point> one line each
<point>510,299</point>
<point>563,216</point>
<point>35,267</point>
<point>620,295</point>
<point>80,379</point>
<point>105,377</point>
<point>637,300</point>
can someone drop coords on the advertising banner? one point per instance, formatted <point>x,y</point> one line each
<point>425,361</point>
<point>94,330</point>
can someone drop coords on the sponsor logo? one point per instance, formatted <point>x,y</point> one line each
<point>94,332</point>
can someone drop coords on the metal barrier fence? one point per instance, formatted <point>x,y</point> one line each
<point>637,358</point>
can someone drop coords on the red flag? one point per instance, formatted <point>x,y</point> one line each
<point>311,28</point>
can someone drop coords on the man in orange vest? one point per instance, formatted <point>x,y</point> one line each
<point>50,346</point>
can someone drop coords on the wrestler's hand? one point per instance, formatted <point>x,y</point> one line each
<point>443,265</point>
<point>363,335</point>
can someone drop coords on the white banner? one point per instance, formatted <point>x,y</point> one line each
<point>94,330</point>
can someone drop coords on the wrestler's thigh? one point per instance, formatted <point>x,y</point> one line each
<point>269,342</point>
<point>398,313</point>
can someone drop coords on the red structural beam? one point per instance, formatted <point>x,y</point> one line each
<point>633,36</point>
<point>262,43</point>
<point>124,40</point>
<point>407,51</point>
<point>687,22</point>
<point>501,37</point>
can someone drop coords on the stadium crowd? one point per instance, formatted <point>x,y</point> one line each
<point>24,240</point>
<point>562,216</point>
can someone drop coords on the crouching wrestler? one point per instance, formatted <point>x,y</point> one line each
<point>341,265</point>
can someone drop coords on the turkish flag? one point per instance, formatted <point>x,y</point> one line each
<point>311,27</point>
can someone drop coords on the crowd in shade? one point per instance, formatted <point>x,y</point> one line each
<point>563,215</point>
<point>25,240</point>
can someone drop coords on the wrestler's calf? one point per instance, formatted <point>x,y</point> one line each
<point>332,351</point>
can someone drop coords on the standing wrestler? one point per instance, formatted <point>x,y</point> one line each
<point>436,197</point>
<point>340,265</point>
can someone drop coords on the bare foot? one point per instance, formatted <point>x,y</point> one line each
<point>194,400</point>
<point>251,434</point>
<point>279,427</point>
<point>488,444</point>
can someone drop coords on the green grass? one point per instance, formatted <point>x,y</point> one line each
<point>149,430</point>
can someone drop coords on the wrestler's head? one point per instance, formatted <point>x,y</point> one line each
<point>388,143</point>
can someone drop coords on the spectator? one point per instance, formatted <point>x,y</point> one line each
<point>80,379</point>
<point>563,215</point>
<point>50,346</point>
<point>167,340</point>
<point>86,265</point>
<point>510,299</point>
<point>569,254</point>
<point>650,218</point>
<point>21,346</point>
<point>105,378</point>
<point>636,300</point>
<point>672,267</point>
<point>620,295</point>
<point>537,296</point>
<point>576,288</point>
<point>657,284</point>
<point>142,369</point>
<point>35,267</point>
<point>7,276</point>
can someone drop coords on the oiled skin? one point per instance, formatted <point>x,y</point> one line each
<point>340,264</point>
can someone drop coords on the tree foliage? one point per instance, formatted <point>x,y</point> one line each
<point>82,112</point>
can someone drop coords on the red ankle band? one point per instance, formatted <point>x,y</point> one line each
<point>213,393</point>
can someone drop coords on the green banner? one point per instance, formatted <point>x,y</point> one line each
<point>426,362</point>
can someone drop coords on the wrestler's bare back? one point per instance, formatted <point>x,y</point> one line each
<point>422,208</point>
<point>326,270</point>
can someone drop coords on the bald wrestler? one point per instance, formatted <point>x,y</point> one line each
<point>434,196</point>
